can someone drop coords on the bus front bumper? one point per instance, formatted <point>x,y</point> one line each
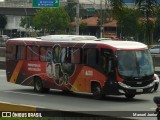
<point>123,88</point>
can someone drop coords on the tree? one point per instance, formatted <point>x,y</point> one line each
<point>51,20</point>
<point>26,22</point>
<point>147,8</point>
<point>127,19</point>
<point>128,22</point>
<point>157,26</point>
<point>71,9</point>
<point>117,8</point>
<point>3,22</point>
<point>83,28</point>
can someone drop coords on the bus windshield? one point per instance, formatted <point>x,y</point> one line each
<point>134,63</point>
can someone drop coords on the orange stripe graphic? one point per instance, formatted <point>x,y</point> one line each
<point>16,72</point>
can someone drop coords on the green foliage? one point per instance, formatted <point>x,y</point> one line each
<point>128,21</point>
<point>26,22</point>
<point>83,28</point>
<point>147,8</point>
<point>71,9</point>
<point>51,20</point>
<point>136,21</point>
<point>157,26</point>
<point>117,8</point>
<point>3,21</point>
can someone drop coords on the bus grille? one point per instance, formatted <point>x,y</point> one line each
<point>138,83</point>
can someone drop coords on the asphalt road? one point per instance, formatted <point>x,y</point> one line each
<point>57,100</point>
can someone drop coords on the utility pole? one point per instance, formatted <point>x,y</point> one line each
<point>101,20</point>
<point>26,19</point>
<point>77,18</point>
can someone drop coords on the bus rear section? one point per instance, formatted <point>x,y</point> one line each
<point>69,63</point>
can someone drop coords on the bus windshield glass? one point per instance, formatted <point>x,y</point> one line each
<point>134,63</point>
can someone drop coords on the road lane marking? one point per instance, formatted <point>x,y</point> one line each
<point>24,93</point>
<point>3,70</point>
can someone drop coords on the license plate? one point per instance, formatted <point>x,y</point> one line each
<point>139,90</point>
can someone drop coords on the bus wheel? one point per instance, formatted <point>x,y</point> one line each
<point>130,96</point>
<point>38,86</point>
<point>97,91</point>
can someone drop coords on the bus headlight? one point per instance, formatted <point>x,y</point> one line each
<point>123,85</point>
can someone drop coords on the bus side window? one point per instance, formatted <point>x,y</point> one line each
<point>35,53</point>
<point>66,55</point>
<point>43,54</point>
<point>91,56</point>
<point>10,52</point>
<point>29,53</point>
<point>56,51</point>
<point>106,62</point>
<point>32,53</point>
<point>75,55</point>
<point>20,52</point>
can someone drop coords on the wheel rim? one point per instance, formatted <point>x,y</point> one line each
<point>38,85</point>
<point>97,92</point>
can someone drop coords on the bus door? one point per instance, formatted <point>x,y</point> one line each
<point>108,66</point>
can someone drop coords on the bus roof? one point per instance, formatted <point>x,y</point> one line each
<point>117,44</point>
<point>68,37</point>
<point>125,44</point>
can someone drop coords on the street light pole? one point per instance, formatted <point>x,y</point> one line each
<point>26,19</point>
<point>101,20</point>
<point>77,18</point>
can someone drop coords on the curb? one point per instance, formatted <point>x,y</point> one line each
<point>5,106</point>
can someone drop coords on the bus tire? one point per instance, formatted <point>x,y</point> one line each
<point>130,96</point>
<point>97,91</point>
<point>38,86</point>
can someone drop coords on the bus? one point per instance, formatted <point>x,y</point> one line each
<point>86,64</point>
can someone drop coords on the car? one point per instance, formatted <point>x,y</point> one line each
<point>155,49</point>
<point>156,82</point>
<point>4,37</point>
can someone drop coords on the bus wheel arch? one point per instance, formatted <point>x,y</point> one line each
<point>96,89</point>
<point>38,85</point>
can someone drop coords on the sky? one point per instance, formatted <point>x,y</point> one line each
<point>1,0</point>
